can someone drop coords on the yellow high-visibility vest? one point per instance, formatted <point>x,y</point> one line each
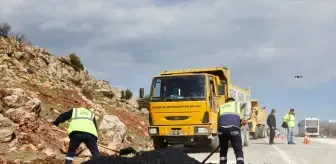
<point>82,121</point>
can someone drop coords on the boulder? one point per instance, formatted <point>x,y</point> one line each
<point>112,133</point>
<point>6,129</point>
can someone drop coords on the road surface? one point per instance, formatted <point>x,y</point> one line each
<point>320,151</point>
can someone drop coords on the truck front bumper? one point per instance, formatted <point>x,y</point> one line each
<point>177,131</point>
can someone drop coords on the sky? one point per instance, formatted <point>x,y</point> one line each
<point>264,43</point>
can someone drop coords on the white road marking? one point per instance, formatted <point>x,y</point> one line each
<point>283,155</point>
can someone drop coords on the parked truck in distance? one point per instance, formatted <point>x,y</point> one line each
<point>183,106</point>
<point>309,126</point>
<point>257,123</point>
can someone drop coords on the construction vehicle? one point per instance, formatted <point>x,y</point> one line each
<point>309,126</point>
<point>183,106</point>
<point>257,123</point>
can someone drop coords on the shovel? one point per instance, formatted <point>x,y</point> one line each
<point>203,162</point>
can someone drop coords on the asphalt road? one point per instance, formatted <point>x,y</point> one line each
<point>320,151</point>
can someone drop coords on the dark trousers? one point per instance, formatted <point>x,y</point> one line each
<point>76,140</point>
<point>272,134</point>
<point>233,135</point>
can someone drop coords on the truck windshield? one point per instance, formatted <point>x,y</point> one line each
<point>178,88</point>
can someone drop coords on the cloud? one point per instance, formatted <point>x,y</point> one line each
<point>127,42</point>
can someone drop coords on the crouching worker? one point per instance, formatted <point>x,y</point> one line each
<point>82,128</point>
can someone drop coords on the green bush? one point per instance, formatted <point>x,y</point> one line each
<point>76,62</point>
<point>144,103</point>
<point>5,31</point>
<point>122,94</point>
<point>128,94</point>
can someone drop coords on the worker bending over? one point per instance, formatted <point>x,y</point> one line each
<point>230,119</point>
<point>82,128</point>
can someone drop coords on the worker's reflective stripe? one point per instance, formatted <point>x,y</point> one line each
<point>229,126</point>
<point>240,159</point>
<point>69,158</point>
<point>76,116</point>
<point>223,158</point>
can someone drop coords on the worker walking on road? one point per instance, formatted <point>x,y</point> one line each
<point>289,119</point>
<point>271,122</point>
<point>82,128</point>
<point>229,122</point>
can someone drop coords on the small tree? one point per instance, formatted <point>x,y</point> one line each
<point>144,103</point>
<point>76,62</point>
<point>5,29</point>
<point>128,94</point>
<point>21,38</point>
<point>122,94</point>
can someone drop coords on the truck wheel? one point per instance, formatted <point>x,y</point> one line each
<point>214,142</point>
<point>158,143</point>
<point>246,138</point>
<point>242,137</point>
<point>256,133</point>
<point>262,131</point>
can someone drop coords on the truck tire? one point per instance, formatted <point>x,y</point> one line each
<point>242,137</point>
<point>245,136</point>
<point>158,143</point>
<point>256,132</point>
<point>265,132</point>
<point>214,142</point>
<point>262,133</point>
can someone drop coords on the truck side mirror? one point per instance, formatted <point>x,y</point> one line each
<point>221,89</point>
<point>142,93</point>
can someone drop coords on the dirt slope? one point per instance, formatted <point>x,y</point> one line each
<point>35,86</point>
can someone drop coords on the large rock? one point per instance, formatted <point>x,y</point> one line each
<point>22,108</point>
<point>16,97</point>
<point>6,129</point>
<point>112,133</point>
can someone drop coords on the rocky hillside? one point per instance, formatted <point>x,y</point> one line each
<point>36,86</point>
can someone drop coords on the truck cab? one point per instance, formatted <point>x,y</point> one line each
<point>183,106</point>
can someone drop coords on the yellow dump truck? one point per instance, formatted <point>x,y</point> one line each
<point>257,123</point>
<point>183,106</point>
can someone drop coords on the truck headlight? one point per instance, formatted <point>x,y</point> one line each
<point>201,130</point>
<point>153,131</point>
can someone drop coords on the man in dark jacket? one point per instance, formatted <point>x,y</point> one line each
<point>82,128</point>
<point>271,122</point>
